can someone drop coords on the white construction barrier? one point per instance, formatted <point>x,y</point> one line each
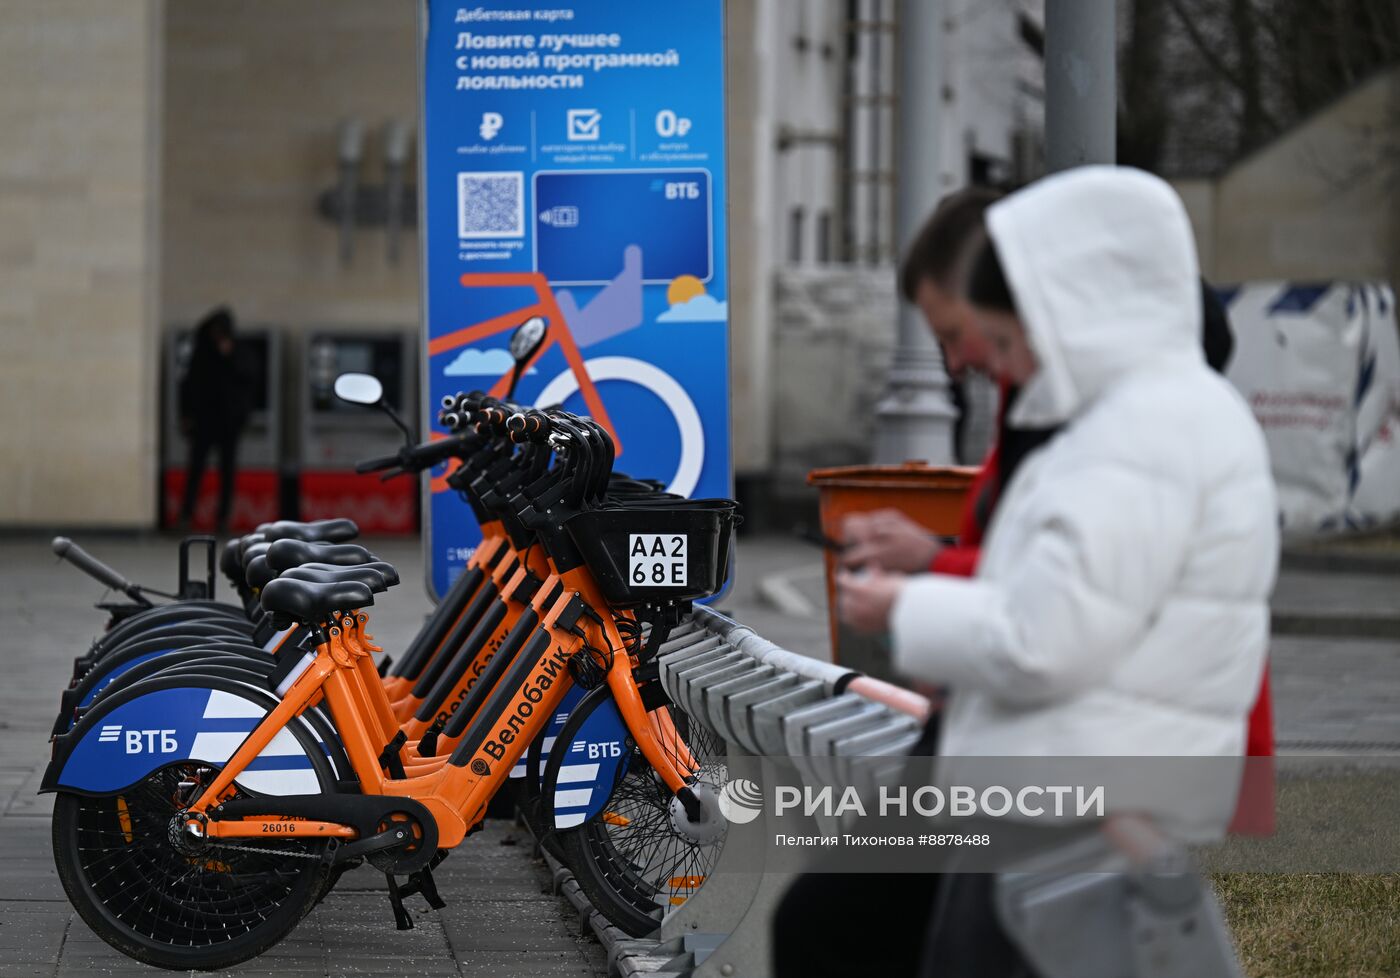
<point>1320,367</point>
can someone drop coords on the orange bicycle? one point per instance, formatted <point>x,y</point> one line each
<point>200,815</point>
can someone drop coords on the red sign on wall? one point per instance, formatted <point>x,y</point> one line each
<point>255,499</point>
<point>376,507</point>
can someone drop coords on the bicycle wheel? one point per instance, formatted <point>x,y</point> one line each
<point>170,905</point>
<point>640,856</point>
<point>169,615</point>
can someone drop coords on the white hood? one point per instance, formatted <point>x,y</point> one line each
<point>1102,265</point>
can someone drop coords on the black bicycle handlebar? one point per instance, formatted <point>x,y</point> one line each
<point>432,453</point>
<point>90,565</point>
<point>529,425</point>
<point>376,464</point>
<point>414,458</point>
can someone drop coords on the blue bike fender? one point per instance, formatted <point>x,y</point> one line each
<point>593,761</point>
<point>118,671</point>
<point>551,732</point>
<point>139,730</point>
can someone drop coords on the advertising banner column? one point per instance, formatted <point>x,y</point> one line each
<point>573,169</point>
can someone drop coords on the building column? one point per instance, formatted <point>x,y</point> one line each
<point>752,135</point>
<point>79,261</point>
<point>914,417</point>
<point>1081,95</point>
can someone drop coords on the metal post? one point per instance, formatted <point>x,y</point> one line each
<point>1081,121</point>
<point>915,415</point>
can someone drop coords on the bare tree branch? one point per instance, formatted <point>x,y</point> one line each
<point>1203,46</point>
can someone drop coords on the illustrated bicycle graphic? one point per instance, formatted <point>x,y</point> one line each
<point>581,375</point>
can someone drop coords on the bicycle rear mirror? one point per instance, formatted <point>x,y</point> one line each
<point>527,339</point>
<point>359,389</point>
<point>525,343</point>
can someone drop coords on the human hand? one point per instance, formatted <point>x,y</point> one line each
<point>929,691</point>
<point>864,600</point>
<point>889,540</point>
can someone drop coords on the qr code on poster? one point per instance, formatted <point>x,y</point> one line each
<point>491,205</point>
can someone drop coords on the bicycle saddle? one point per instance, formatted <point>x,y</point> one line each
<point>385,569</point>
<point>365,574</point>
<point>311,603</point>
<point>380,575</point>
<point>231,560</point>
<point>259,572</point>
<point>286,554</point>
<point>319,531</point>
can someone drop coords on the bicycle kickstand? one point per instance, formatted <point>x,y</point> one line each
<point>420,882</point>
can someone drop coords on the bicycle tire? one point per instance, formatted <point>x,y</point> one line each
<point>629,862</point>
<point>204,912</point>
<point>166,614</point>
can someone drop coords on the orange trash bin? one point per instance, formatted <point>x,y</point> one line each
<point>929,494</point>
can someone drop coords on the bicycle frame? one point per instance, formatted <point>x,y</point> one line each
<point>491,555</point>
<point>454,789</point>
<point>508,573</point>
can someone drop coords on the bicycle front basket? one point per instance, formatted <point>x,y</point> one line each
<point>672,551</point>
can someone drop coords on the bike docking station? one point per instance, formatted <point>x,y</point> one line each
<point>1135,900</point>
<point>219,766</point>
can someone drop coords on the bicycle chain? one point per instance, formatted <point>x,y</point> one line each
<point>265,852</point>
<point>211,844</point>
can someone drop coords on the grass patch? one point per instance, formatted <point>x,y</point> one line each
<point>1331,906</point>
<point>1326,925</point>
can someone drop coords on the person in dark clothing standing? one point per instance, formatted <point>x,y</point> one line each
<point>213,409</point>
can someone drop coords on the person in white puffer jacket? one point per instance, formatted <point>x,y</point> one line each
<point>1120,606</point>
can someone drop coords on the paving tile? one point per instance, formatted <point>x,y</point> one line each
<point>529,964</point>
<point>16,969</point>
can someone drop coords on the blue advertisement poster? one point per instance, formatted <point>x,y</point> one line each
<point>573,168</point>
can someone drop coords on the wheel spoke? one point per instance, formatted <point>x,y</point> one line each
<point>196,898</point>
<point>638,856</point>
